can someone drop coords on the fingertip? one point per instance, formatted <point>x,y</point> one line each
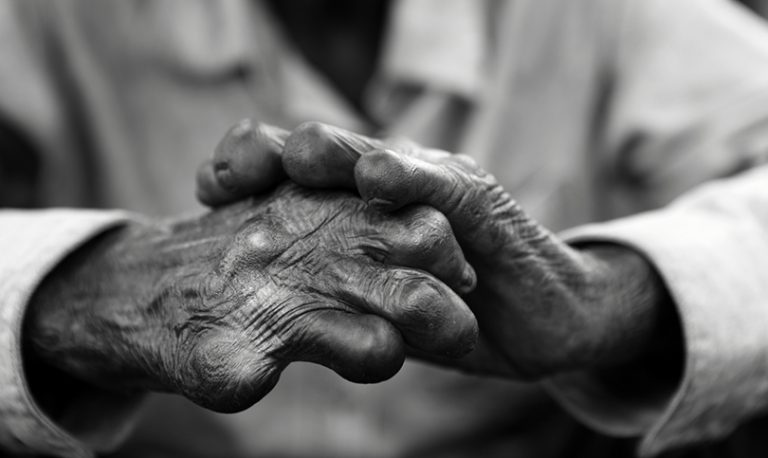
<point>379,352</point>
<point>321,156</point>
<point>361,348</point>
<point>247,160</point>
<point>382,179</point>
<point>208,191</point>
<point>428,315</point>
<point>452,331</point>
<point>297,154</point>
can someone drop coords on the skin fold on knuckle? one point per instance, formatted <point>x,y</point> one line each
<point>431,241</point>
<point>385,178</point>
<point>430,319</point>
<point>220,373</point>
<point>430,235</point>
<point>417,237</point>
<point>318,155</point>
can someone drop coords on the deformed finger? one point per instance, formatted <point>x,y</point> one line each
<point>361,348</point>
<point>321,156</point>
<point>470,199</point>
<point>429,315</point>
<point>246,161</point>
<point>421,237</point>
<point>481,213</point>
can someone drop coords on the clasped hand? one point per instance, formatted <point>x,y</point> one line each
<point>543,307</point>
<point>351,275</point>
<point>215,307</point>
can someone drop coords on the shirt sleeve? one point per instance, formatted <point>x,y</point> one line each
<point>32,243</point>
<point>711,249</point>
<point>689,104</point>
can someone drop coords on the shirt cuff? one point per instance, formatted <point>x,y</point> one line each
<point>712,253</point>
<point>32,243</point>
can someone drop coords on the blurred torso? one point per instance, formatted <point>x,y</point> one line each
<point>151,88</point>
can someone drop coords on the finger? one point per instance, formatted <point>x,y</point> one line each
<point>420,237</point>
<point>247,161</point>
<point>208,191</point>
<point>468,197</point>
<point>321,156</point>
<point>391,180</point>
<point>427,313</point>
<point>361,348</point>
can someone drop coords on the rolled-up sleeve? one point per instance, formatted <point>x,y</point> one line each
<point>711,249</point>
<point>31,244</point>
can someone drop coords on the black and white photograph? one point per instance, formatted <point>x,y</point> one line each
<point>384,228</point>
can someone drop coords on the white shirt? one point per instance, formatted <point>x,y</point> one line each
<point>585,110</point>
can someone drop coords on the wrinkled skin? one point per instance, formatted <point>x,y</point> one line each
<point>543,307</point>
<point>215,307</point>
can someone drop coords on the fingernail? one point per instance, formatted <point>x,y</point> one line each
<point>380,204</point>
<point>223,173</point>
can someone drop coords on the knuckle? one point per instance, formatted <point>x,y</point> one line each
<point>436,221</point>
<point>429,226</point>
<point>221,375</point>
<point>259,242</point>
<point>418,299</point>
<point>300,147</point>
<point>306,137</point>
<point>382,170</point>
<point>437,322</point>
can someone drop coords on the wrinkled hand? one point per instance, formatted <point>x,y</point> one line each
<point>214,308</point>
<point>542,306</point>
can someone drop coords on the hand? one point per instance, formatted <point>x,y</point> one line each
<point>215,307</point>
<point>543,307</point>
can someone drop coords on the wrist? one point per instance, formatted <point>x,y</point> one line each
<point>78,319</point>
<point>642,337</point>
